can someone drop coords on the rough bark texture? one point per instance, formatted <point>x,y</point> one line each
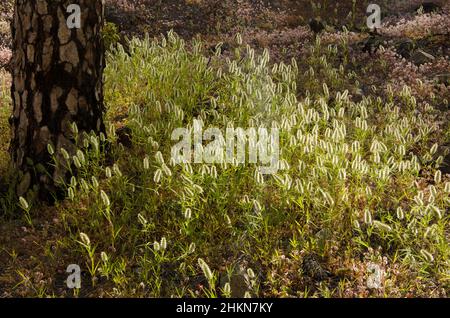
<point>57,80</point>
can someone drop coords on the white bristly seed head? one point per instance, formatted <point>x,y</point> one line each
<point>427,255</point>
<point>70,194</point>
<point>166,170</point>
<point>65,154</point>
<point>76,162</point>
<point>206,270</point>
<point>438,176</point>
<point>108,172</point>
<point>73,181</point>
<point>23,203</point>
<point>447,187</point>
<point>81,157</point>
<point>104,257</point>
<point>85,239</point>
<point>400,213</point>
<point>382,226</point>
<point>187,213</point>
<point>84,185</point>
<point>159,157</point>
<point>367,217</point>
<point>116,170</point>
<point>94,182</point>
<point>50,149</point>
<point>163,243</point>
<point>142,219</point>
<point>157,176</point>
<point>105,198</point>
<point>227,288</point>
<point>433,149</point>
<point>146,163</point>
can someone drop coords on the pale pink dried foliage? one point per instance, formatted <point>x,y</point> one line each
<point>338,37</point>
<point>419,78</point>
<point>5,56</point>
<point>420,26</point>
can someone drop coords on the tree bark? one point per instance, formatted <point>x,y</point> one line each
<point>57,80</point>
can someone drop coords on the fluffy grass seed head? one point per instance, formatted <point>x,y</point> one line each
<point>23,203</point>
<point>447,187</point>
<point>74,128</point>
<point>367,217</point>
<point>433,149</point>
<point>382,226</point>
<point>84,185</point>
<point>108,172</point>
<point>188,213</point>
<point>50,149</point>
<point>427,255</point>
<point>76,162</point>
<point>166,170</point>
<point>70,193</point>
<point>146,163</point>
<point>438,176</point>
<point>94,182</point>
<point>159,157</point>
<point>142,219</point>
<point>85,239</point>
<point>157,176</point>
<point>238,39</point>
<point>257,206</point>
<point>116,170</point>
<point>104,257</point>
<point>206,270</point>
<point>227,288</point>
<point>227,220</point>
<point>163,243</point>
<point>250,273</point>
<point>105,198</point>
<point>400,213</point>
<point>80,156</point>
<point>213,172</point>
<point>73,181</point>
<point>65,154</point>
<point>437,211</point>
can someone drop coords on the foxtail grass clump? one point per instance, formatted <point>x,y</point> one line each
<point>349,179</point>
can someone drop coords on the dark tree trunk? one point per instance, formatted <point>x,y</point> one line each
<point>57,80</point>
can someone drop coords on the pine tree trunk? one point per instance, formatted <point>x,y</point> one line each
<point>57,80</point>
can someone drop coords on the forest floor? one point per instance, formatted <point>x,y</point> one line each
<point>294,245</point>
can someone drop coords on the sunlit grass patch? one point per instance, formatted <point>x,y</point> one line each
<point>351,179</point>
<point>358,185</point>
